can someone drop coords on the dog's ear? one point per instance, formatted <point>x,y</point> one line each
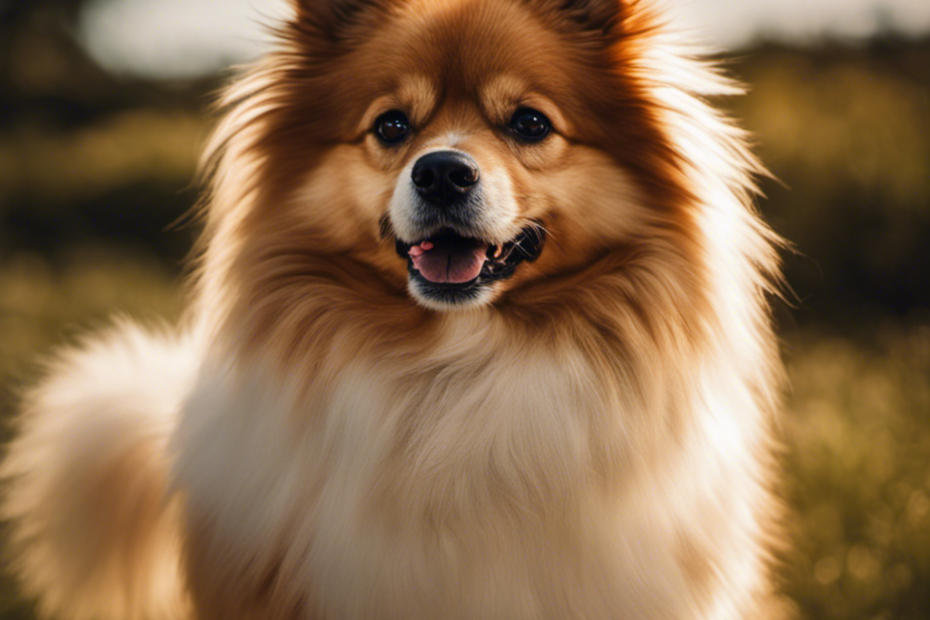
<point>601,18</point>
<point>336,20</point>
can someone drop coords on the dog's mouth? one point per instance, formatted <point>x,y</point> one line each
<point>450,261</point>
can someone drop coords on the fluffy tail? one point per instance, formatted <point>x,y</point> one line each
<point>94,532</point>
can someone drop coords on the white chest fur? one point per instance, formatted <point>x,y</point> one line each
<point>504,486</point>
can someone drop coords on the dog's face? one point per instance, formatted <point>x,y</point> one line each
<point>463,149</point>
<point>462,210</point>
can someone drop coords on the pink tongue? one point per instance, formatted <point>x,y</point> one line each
<point>449,263</point>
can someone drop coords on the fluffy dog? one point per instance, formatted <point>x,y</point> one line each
<point>479,332</point>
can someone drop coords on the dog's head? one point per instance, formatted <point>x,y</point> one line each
<point>457,151</point>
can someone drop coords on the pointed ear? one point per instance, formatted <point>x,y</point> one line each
<point>596,17</point>
<point>337,19</point>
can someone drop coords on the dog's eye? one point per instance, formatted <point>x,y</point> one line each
<point>530,124</point>
<point>392,127</point>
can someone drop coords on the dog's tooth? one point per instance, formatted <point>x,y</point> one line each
<point>498,251</point>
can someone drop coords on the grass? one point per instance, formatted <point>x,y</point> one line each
<point>42,304</point>
<point>858,470</point>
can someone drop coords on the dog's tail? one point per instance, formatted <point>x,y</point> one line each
<point>94,532</point>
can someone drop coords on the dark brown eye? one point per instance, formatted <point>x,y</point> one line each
<point>392,127</point>
<point>530,125</point>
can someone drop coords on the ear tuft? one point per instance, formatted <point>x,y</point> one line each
<point>335,19</point>
<point>596,17</point>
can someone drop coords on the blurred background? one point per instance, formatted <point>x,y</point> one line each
<point>104,106</point>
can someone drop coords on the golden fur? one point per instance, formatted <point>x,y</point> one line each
<point>590,438</point>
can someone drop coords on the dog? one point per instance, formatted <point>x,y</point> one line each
<point>480,329</point>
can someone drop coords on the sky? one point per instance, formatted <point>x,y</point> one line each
<point>183,38</point>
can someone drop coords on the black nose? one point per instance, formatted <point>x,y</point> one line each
<point>444,177</point>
